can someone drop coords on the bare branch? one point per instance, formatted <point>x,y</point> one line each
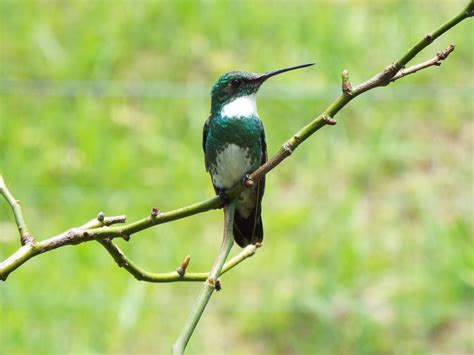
<point>435,61</point>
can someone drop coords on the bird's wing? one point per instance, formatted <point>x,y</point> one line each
<point>250,230</point>
<point>204,139</point>
<point>261,184</point>
<point>264,146</point>
<point>258,236</point>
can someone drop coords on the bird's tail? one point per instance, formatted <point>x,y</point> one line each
<point>248,230</point>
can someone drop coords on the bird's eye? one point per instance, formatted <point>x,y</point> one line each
<point>235,83</point>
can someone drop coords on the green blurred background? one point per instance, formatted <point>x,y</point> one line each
<point>369,225</point>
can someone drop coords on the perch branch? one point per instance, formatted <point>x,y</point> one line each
<point>80,235</point>
<point>348,93</point>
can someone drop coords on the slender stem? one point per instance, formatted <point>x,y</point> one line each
<point>25,236</point>
<point>142,275</point>
<point>430,37</point>
<point>435,61</point>
<point>210,283</point>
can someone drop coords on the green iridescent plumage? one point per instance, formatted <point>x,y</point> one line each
<point>246,132</point>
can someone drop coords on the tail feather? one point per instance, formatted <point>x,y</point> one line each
<point>248,230</point>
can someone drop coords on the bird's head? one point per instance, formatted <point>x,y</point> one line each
<point>235,84</point>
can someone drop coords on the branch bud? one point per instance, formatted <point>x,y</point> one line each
<point>154,212</point>
<point>181,270</point>
<point>346,84</point>
<point>329,120</point>
<point>101,217</point>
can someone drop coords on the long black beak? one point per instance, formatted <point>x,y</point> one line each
<point>269,74</point>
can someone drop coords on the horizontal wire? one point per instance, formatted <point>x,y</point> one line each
<point>180,90</point>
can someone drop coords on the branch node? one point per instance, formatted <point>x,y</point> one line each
<point>125,236</point>
<point>71,233</point>
<point>211,282</point>
<point>445,53</point>
<point>154,212</point>
<point>287,148</point>
<point>329,120</point>
<point>346,84</point>
<point>393,67</point>
<point>181,270</point>
<point>429,37</point>
<point>114,219</point>
<point>101,217</point>
<point>216,284</point>
<point>296,137</point>
<point>27,239</point>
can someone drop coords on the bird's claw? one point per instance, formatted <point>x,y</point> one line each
<point>247,181</point>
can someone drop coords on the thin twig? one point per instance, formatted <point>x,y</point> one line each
<point>142,275</point>
<point>211,283</point>
<point>435,61</point>
<point>25,236</point>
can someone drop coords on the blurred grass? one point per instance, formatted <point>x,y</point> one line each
<point>369,228</point>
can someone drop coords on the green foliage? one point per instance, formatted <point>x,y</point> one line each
<point>369,228</point>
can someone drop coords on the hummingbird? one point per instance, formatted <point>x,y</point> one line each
<point>234,146</point>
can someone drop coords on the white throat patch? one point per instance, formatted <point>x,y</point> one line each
<point>241,106</point>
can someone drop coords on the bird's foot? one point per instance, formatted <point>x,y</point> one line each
<point>247,181</point>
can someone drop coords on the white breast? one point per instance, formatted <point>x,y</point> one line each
<point>241,106</point>
<point>233,162</point>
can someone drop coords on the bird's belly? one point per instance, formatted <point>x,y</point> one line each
<point>232,163</point>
